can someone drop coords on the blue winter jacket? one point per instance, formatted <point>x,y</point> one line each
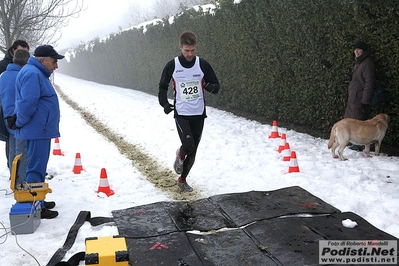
<point>36,106</point>
<point>7,90</point>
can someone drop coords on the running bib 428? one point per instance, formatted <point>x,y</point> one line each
<point>189,94</point>
<point>189,90</point>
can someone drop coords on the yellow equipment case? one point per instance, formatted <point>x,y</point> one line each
<point>28,192</point>
<point>106,251</point>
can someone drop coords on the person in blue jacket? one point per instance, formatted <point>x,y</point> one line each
<point>7,96</point>
<point>37,114</point>
<point>17,45</point>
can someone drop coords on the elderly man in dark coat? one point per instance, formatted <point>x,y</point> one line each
<point>361,87</point>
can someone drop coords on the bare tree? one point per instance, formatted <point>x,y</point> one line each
<point>161,9</point>
<point>137,14</point>
<point>36,21</point>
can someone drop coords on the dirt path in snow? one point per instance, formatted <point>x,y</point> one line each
<point>162,178</point>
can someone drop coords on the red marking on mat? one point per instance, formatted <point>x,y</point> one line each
<point>309,206</point>
<point>138,211</point>
<point>158,246</point>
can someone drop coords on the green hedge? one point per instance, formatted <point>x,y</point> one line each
<point>280,60</point>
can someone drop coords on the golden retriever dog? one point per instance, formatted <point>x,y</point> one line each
<point>358,132</point>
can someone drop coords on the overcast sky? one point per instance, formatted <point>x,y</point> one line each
<point>101,18</point>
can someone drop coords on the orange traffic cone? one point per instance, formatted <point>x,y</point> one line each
<point>104,186</point>
<point>294,168</point>
<point>57,148</point>
<point>274,134</point>
<point>286,152</point>
<point>77,168</point>
<point>282,143</point>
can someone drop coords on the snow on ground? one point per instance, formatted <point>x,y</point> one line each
<point>235,155</point>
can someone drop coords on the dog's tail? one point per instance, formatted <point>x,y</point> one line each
<point>332,136</point>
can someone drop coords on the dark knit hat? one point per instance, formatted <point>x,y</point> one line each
<point>361,45</point>
<point>47,51</point>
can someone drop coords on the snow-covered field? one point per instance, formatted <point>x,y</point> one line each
<point>235,155</point>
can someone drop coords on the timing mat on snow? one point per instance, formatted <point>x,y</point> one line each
<point>280,227</point>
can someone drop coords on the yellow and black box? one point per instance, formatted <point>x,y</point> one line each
<point>106,251</point>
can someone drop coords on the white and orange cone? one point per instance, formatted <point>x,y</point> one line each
<point>77,168</point>
<point>274,134</point>
<point>293,168</point>
<point>286,152</point>
<point>104,186</point>
<point>57,147</point>
<point>283,140</point>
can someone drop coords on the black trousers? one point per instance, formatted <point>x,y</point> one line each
<point>190,132</point>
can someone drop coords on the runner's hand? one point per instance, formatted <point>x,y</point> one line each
<point>210,87</point>
<point>167,108</point>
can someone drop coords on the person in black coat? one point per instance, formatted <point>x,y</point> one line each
<point>361,86</point>
<point>17,45</point>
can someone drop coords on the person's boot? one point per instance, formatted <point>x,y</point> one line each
<point>178,164</point>
<point>49,204</point>
<point>181,182</point>
<point>48,214</point>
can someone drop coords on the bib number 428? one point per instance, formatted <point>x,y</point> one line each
<point>190,90</point>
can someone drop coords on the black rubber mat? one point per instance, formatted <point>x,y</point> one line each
<point>331,228</point>
<point>244,208</point>
<point>144,221</point>
<point>170,249</point>
<point>280,227</point>
<point>231,247</point>
<point>287,239</point>
<point>201,215</point>
<point>227,210</point>
<point>167,217</point>
<point>299,236</point>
